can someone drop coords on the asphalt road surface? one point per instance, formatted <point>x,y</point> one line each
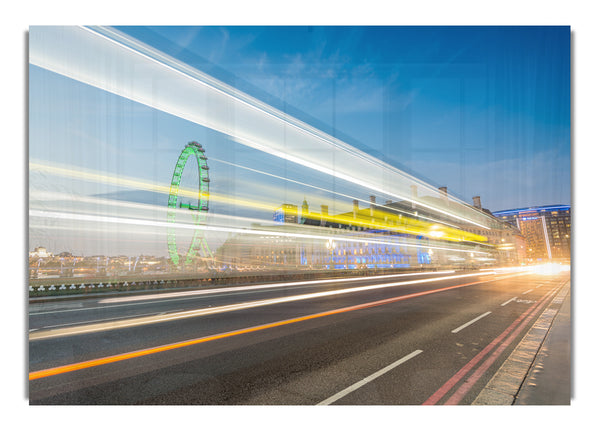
<point>429,338</point>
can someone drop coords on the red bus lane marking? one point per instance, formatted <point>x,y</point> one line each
<point>139,353</point>
<point>463,389</point>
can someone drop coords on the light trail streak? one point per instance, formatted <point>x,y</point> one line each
<point>550,268</point>
<point>377,221</point>
<point>47,200</point>
<point>260,286</point>
<point>121,181</point>
<point>174,296</point>
<point>140,222</point>
<point>347,177</point>
<point>172,87</point>
<point>127,323</point>
<point>144,352</point>
<point>324,190</point>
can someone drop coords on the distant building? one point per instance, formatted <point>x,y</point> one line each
<point>547,230</point>
<point>286,213</point>
<point>508,241</point>
<point>393,235</point>
<point>40,252</point>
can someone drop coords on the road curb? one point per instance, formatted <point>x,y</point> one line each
<point>505,385</point>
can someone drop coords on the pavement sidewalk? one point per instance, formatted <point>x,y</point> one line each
<point>538,372</point>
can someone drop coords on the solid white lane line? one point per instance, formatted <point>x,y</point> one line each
<point>525,293</point>
<point>460,328</point>
<point>510,300</point>
<point>368,379</point>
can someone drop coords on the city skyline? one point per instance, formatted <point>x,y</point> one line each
<point>443,115</point>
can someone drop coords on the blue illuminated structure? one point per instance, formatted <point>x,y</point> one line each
<point>532,209</point>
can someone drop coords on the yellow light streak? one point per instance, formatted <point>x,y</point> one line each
<point>378,221</point>
<point>285,234</point>
<point>302,194</point>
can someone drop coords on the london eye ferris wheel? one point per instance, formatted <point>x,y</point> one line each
<point>198,245</point>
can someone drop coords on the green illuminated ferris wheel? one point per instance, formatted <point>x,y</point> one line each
<point>198,245</point>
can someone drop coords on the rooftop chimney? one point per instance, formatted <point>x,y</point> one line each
<point>324,214</point>
<point>372,197</point>
<point>355,208</point>
<point>444,193</point>
<point>477,202</point>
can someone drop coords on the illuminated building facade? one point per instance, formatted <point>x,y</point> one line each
<point>286,213</point>
<point>393,235</point>
<point>40,252</point>
<point>547,230</point>
<point>506,239</point>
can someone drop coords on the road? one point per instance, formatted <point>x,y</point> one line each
<point>429,338</point>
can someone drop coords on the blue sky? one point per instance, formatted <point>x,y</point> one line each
<point>482,110</point>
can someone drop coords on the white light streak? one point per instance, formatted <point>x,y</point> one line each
<point>190,226</point>
<point>89,55</point>
<point>138,298</point>
<point>126,323</point>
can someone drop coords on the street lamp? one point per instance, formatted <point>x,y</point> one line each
<point>330,246</point>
